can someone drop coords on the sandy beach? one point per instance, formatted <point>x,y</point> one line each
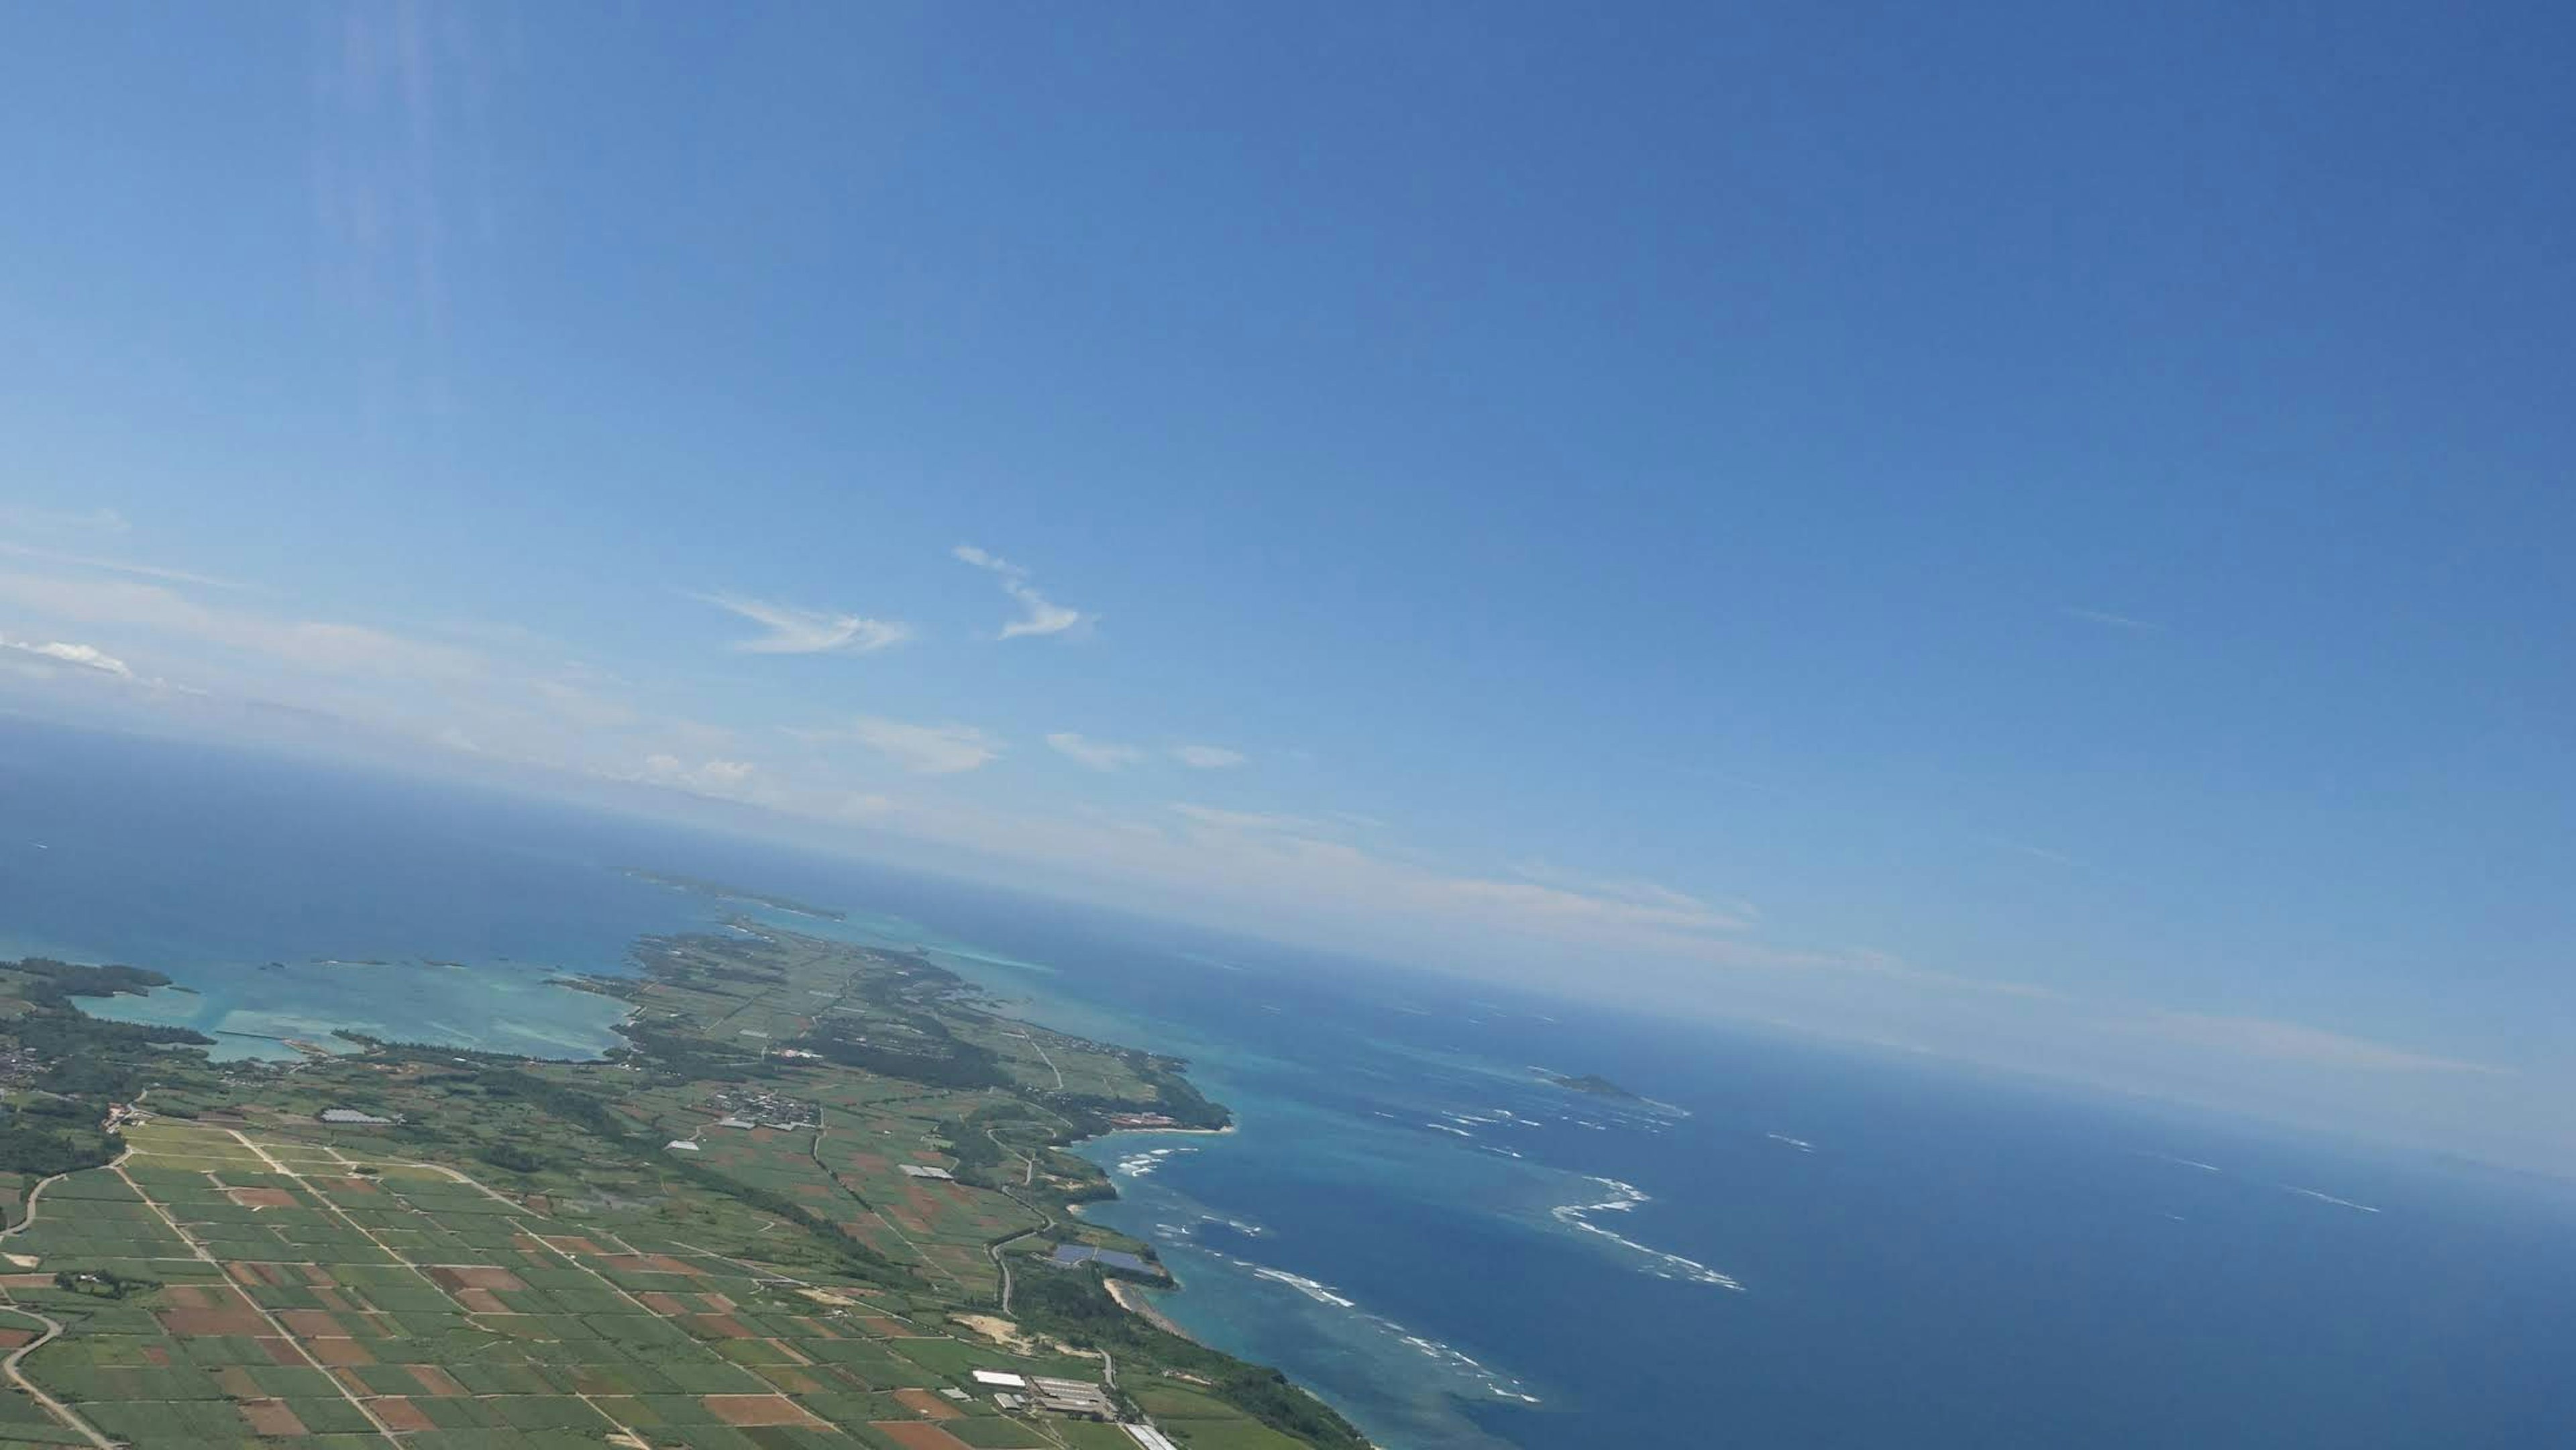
<point>1131,1297</point>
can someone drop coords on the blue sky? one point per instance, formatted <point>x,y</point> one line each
<point>2031,535</point>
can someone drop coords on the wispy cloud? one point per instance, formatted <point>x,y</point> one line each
<point>724,778</point>
<point>920,749</point>
<point>2108,620</point>
<point>316,645</point>
<point>1097,754</point>
<point>1042,615</point>
<point>1631,904</point>
<point>114,566</point>
<point>2291,1042</point>
<point>46,658</point>
<point>1207,757</point>
<point>981,559</point>
<point>1226,820</point>
<point>87,657</point>
<point>794,631</point>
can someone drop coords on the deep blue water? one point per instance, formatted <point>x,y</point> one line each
<point>1925,1257</point>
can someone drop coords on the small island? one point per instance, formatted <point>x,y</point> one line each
<point>698,886</point>
<point>1596,1084</point>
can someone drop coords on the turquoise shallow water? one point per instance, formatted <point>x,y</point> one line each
<point>1805,1248</point>
<point>492,1006</point>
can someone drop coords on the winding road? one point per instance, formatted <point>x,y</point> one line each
<point>53,1327</point>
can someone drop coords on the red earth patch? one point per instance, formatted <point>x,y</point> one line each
<point>916,1435</point>
<point>476,1276</point>
<point>929,1404</point>
<point>437,1381</point>
<point>756,1410</point>
<point>401,1413</point>
<point>272,1417</point>
<point>340,1351</point>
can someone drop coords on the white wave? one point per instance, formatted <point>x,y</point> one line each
<point>1801,1144</point>
<point>1142,1165</point>
<point>2183,1162</point>
<point>1445,1128</point>
<point>1626,1196</point>
<point>2329,1198</point>
<point>1448,1357</point>
<point>1305,1286</point>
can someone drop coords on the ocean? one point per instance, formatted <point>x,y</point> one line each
<point>1784,1244</point>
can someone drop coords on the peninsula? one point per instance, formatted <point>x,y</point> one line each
<point>717,890</point>
<point>820,1197</point>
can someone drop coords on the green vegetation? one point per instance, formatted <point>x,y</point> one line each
<point>709,1240</point>
<point>717,889</point>
<point>102,1283</point>
<point>65,1068</point>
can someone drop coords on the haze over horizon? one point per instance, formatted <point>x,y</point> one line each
<point>1737,515</point>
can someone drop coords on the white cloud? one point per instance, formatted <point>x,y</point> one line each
<point>1098,754</point>
<point>1632,906</point>
<point>920,749</point>
<point>305,644</point>
<point>968,553</point>
<point>1207,757</point>
<point>1731,915</point>
<point>1043,616</point>
<point>711,777</point>
<point>794,631</point>
<point>88,657</point>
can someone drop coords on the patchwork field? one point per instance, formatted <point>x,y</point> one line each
<point>807,1201</point>
<point>279,1290</point>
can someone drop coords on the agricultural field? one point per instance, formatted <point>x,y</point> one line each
<point>708,1242</point>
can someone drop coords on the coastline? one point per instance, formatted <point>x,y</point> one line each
<point>1131,1297</point>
